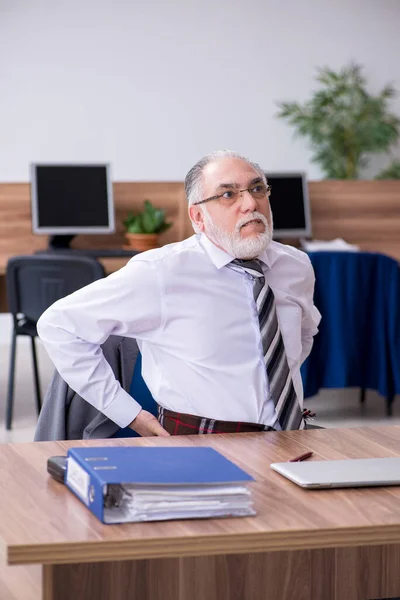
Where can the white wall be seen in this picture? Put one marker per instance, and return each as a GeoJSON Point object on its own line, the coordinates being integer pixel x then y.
{"type": "Point", "coordinates": [152, 85]}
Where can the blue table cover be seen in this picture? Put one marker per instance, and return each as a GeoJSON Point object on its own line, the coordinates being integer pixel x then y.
{"type": "Point", "coordinates": [358, 344]}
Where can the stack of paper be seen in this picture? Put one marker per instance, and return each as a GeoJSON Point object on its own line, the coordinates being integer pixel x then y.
{"type": "Point", "coordinates": [183, 502]}
{"type": "Point", "coordinates": [335, 245]}
{"type": "Point", "coordinates": [130, 484]}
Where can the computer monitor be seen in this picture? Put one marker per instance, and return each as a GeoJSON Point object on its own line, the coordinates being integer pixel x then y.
{"type": "Point", "coordinates": [290, 204]}
{"type": "Point", "coordinates": [69, 199]}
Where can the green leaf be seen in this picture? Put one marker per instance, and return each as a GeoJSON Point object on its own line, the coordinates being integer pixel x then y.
{"type": "Point", "coordinates": [148, 222]}
{"type": "Point", "coordinates": [134, 226]}
{"type": "Point", "coordinates": [129, 219]}
{"type": "Point", "coordinates": [164, 227]}
{"type": "Point", "coordinates": [148, 207]}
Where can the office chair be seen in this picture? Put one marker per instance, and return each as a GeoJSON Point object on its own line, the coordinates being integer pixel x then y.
{"type": "Point", "coordinates": [33, 284]}
{"type": "Point", "coordinates": [65, 415]}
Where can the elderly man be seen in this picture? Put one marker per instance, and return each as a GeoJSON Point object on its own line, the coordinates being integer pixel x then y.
{"type": "Point", "coordinates": [223, 319]}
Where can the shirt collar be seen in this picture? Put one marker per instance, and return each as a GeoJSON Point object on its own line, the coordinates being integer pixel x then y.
{"type": "Point", "coordinates": [220, 258]}
{"type": "Point", "coordinates": [267, 256]}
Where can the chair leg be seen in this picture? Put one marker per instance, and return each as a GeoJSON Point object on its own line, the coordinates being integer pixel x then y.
{"type": "Point", "coordinates": [36, 376]}
{"type": "Point", "coordinates": [11, 378]}
{"type": "Point", "coordinates": [362, 395]}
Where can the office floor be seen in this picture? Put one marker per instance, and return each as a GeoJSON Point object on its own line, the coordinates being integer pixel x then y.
{"type": "Point", "coordinates": [334, 408]}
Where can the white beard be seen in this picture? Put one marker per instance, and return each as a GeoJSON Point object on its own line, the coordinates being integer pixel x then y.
{"type": "Point", "coordinates": [233, 243]}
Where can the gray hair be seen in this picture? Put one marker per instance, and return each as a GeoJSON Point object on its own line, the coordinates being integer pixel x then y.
{"type": "Point", "coordinates": [193, 180]}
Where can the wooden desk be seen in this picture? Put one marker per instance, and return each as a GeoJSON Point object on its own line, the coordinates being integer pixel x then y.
{"type": "Point", "coordinates": [302, 545]}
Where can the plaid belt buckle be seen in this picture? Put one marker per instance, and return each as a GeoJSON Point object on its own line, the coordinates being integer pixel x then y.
{"type": "Point", "coordinates": [308, 415]}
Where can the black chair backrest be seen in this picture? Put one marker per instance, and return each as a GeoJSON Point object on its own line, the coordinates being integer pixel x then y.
{"type": "Point", "coordinates": [35, 282]}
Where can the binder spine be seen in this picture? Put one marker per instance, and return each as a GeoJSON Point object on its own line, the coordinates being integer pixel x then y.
{"type": "Point", "coordinates": [85, 485]}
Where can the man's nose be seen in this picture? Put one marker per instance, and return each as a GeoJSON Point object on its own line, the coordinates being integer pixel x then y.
{"type": "Point", "coordinates": [249, 204]}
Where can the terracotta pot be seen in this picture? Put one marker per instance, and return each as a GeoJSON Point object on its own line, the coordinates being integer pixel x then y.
{"type": "Point", "coordinates": [142, 241]}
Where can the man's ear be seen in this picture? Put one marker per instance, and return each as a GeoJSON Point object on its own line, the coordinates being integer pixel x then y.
{"type": "Point", "coordinates": [197, 217]}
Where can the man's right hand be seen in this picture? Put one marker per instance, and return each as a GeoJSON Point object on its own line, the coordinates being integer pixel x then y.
{"type": "Point", "coordinates": [147, 425]}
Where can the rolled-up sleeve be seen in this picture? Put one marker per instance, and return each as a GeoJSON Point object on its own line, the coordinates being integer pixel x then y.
{"type": "Point", "coordinates": [127, 303]}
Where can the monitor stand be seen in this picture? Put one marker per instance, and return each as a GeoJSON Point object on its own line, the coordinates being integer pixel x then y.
{"type": "Point", "coordinates": [60, 242]}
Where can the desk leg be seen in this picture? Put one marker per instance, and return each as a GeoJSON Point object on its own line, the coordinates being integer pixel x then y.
{"type": "Point", "coordinates": [334, 574]}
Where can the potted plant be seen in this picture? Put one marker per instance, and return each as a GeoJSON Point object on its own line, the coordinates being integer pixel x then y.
{"type": "Point", "coordinates": [143, 228]}
{"type": "Point", "coordinates": [345, 124]}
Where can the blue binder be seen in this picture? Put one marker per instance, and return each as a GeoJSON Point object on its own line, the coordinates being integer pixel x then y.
{"type": "Point", "coordinates": [91, 470]}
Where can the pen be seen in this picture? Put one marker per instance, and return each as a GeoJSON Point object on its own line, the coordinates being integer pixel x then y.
{"type": "Point", "coordinates": [301, 457]}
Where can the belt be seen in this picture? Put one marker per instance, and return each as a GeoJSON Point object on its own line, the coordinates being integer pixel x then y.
{"type": "Point", "coordinates": [177, 423]}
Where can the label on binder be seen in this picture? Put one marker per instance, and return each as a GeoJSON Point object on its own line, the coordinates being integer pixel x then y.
{"type": "Point", "coordinates": [78, 479]}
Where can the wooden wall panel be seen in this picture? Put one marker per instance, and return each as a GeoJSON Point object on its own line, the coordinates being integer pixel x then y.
{"type": "Point", "coordinates": [16, 235]}
{"type": "Point", "coordinates": [366, 213]}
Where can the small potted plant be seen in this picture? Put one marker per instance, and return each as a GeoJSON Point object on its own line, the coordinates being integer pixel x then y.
{"type": "Point", "coordinates": [143, 228]}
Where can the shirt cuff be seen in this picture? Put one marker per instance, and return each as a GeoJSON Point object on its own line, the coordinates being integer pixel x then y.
{"type": "Point", "coordinates": [123, 409]}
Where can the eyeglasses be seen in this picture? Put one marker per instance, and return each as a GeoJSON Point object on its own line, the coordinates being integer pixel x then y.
{"type": "Point", "coordinates": [229, 197]}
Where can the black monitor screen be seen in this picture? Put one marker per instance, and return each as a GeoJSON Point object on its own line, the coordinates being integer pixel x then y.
{"type": "Point", "coordinates": [71, 197]}
{"type": "Point", "coordinates": [289, 204]}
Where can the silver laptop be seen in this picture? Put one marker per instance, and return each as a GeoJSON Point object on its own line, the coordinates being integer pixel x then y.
{"type": "Point", "coordinates": [357, 472]}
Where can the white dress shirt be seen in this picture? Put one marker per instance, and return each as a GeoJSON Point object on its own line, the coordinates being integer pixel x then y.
{"type": "Point", "coordinates": [197, 327]}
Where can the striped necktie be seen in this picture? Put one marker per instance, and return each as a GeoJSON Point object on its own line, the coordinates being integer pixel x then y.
{"type": "Point", "coordinates": [280, 381]}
